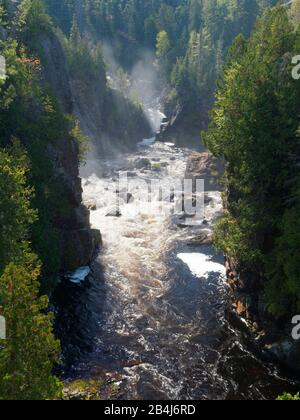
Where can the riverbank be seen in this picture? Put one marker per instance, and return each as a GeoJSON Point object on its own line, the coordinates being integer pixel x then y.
{"type": "Point", "coordinates": [274, 338]}
{"type": "Point", "coordinates": [246, 309]}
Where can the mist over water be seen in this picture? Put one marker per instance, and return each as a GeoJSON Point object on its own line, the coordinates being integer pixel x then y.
{"type": "Point", "coordinates": [143, 82]}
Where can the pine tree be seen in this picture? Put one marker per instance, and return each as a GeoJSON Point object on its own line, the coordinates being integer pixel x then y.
{"type": "Point", "coordinates": [254, 128]}
{"type": "Point", "coordinates": [163, 44]}
{"type": "Point", "coordinates": [16, 213]}
{"type": "Point", "coordinates": [30, 350]}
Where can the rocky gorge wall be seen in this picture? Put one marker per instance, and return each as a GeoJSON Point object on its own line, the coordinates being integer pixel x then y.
{"type": "Point", "coordinates": [78, 242]}
{"type": "Point", "coordinates": [246, 308]}
{"type": "Point", "coordinates": [111, 123]}
{"type": "Point", "coordinates": [273, 338]}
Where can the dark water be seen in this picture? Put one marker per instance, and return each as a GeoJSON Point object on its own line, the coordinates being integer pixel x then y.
{"type": "Point", "coordinates": [153, 308]}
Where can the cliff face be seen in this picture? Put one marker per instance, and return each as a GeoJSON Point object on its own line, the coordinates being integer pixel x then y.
{"type": "Point", "coordinates": [62, 237]}
{"type": "Point", "coordinates": [185, 125]}
{"type": "Point", "coordinates": [110, 121]}
{"type": "Point", "coordinates": [78, 242]}
{"type": "Point", "coordinates": [273, 338]}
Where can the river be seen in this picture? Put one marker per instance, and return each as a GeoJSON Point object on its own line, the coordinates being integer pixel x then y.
{"type": "Point", "coordinates": [152, 310]}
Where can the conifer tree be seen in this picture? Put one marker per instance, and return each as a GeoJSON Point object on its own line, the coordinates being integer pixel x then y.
{"type": "Point", "coordinates": [254, 128]}
{"type": "Point", "coordinates": [29, 352]}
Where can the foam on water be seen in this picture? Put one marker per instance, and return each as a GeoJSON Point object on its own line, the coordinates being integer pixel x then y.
{"type": "Point", "coordinates": [202, 265]}
{"type": "Point", "coordinates": [79, 275]}
{"type": "Point", "coordinates": [153, 310]}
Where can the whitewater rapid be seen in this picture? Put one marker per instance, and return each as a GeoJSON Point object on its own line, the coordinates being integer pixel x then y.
{"type": "Point", "coordinates": [151, 313]}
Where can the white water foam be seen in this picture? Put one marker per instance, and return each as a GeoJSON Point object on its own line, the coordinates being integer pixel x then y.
{"type": "Point", "coordinates": [78, 276]}
{"type": "Point", "coordinates": [202, 265]}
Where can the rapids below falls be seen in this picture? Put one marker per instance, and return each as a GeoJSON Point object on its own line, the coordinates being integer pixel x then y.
{"type": "Point", "coordinates": [152, 310]}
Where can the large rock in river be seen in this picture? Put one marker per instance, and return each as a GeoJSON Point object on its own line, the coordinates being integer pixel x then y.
{"type": "Point", "coordinates": [205, 166]}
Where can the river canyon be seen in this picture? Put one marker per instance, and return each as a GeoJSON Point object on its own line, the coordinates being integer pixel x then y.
{"type": "Point", "coordinates": [152, 311]}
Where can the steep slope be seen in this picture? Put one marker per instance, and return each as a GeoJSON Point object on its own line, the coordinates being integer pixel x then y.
{"type": "Point", "coordinates": [39, 115]}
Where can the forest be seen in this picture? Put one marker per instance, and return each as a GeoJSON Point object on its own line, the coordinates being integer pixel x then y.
{"type": "Point", "coordinates": [224, 69]}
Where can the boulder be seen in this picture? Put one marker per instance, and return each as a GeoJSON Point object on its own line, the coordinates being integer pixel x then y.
{"type": "Point", "coordinates": [130, 174]}
{"type": "Point", "coordinates": [81, 218]}
{"type": "Point", "coordinates": [114, 212]}
{"type": "Point", "coordinates": [142, 163]}
{"type": "Point", "coordinates": [97, 238]}
{"type": "Point", "coordinates": [201, 239]}
{"type": "Point", "coordinates": [205, 166]}
{"type": "Point", "coordinates": [91, 205]}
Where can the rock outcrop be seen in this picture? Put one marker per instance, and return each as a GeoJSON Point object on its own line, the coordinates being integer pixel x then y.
{"type": "Point", "coordinates": [78, 242]}
{"type": "Point", "coordinates": [246, 310]}
{"type": "Point", "coordinates": [205, 166]}
{"type": "Point", "coordinates": [184, 124]}
{"type": "Point", "coordinates": [273, 338]}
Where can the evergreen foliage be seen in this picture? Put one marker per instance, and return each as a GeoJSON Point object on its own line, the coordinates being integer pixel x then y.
{"type": "Point", "coordinates": [254, 127]}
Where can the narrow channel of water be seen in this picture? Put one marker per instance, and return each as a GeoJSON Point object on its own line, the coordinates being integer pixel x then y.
{"type": "Point", "coordinates": [153, 308]}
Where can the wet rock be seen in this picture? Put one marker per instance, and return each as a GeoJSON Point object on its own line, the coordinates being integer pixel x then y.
{"type": "Point", "coordinates": [202, 239]}
{"type": "Point", "coordinates": [97, 238]}
{"type": "Point", "coordinates": [131, 174]}
{"type": "Point", "coordinates": [181, 219]}
{"type": "Point", "coordinates": [91, 205]}
{"type": "Point", "coordinates": [236, 321]}
{"type": "Point", "coordinates": [78, 247]}
{"type": "Point", "coordinates": [183, 225]}
{"type": "Point", "coordinates": [241, 308]}
{"type": "Point", "coordinates": [142, 163]}
{"type": "Point", "coordinates": [207, 199]}
{"type": "Point", "coordinates": [114, 212]}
